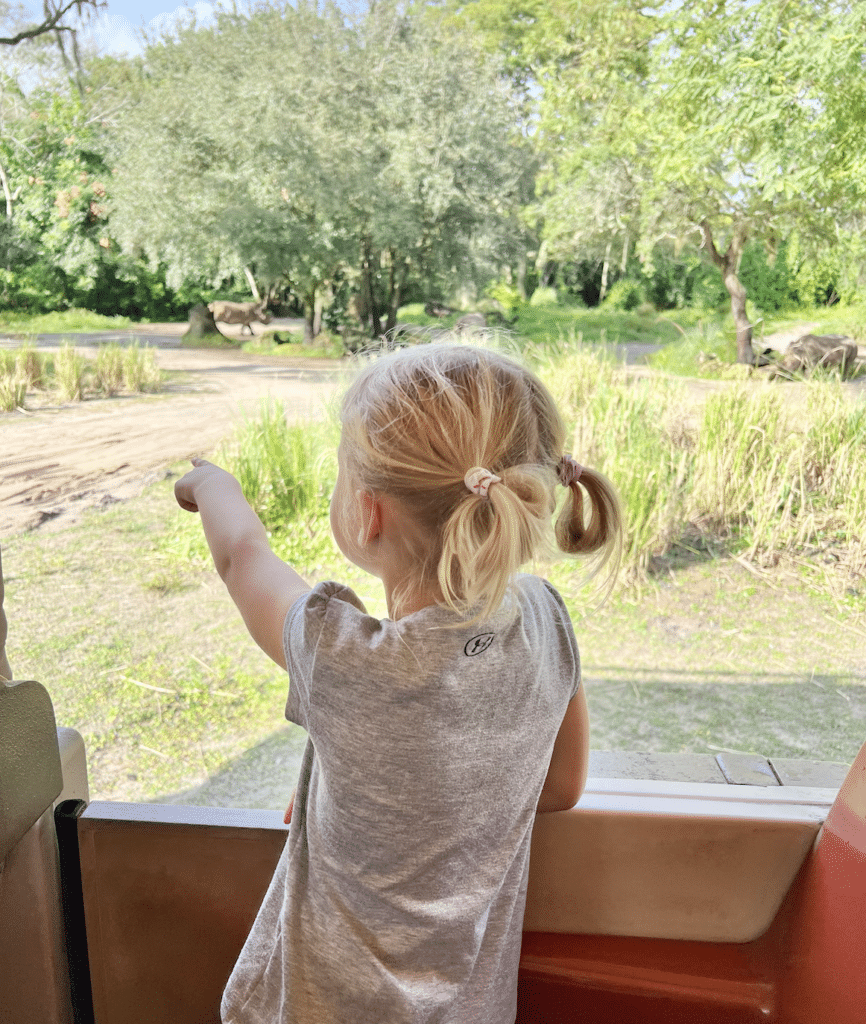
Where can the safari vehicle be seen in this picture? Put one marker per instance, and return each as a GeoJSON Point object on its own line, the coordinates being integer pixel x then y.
{"type": "Point", "coordinates": [650, 901]}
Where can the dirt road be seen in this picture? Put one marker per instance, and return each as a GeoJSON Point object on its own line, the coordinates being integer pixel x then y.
{"type": "Point", "coordinates": [57, 460]}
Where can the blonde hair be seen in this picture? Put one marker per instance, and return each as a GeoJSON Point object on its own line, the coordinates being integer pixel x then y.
{"type": "Point", "coordinates": [416, 420]}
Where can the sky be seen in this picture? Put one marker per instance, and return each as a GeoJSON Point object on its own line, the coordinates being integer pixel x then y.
{"type": "Point", "coordinates": [115, 30]}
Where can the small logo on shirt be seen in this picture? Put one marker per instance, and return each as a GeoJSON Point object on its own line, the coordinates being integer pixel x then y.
{"type": "Point", "coordinates": [478, 644]}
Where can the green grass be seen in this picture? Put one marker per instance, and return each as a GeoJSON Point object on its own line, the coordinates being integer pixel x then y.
{"type": "Point", "coordinates": [70, 321]}
{"type": "Point", "coordinates": [264, 344]}
{"type": "Point", "coordinates": [550, 324]}
{"type": "Point", "coordinates": [747, 474]}
{"type": "Point", "coordinates": [148, 658]}
{"type": "Point", "coordinates": [71, 377]}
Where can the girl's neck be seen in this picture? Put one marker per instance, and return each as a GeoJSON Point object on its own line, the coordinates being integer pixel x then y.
{"type": "Point", "coordinates": [411, 601]}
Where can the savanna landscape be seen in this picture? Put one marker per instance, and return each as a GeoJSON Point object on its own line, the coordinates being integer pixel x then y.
{"type": "Point", "coordinates": [649, 226]}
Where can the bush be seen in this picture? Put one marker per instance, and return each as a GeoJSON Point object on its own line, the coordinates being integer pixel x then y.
{"type": "Point", "coordinates": [69, 368]}
{"type": "Point", "coordinates": [768, 281]}
{"type": "Point", "coordinates": [625, 295]}
{"type": "Point", "coordinates": [108, 371]}
{"type": "Point", "coordinates": [544, 297]}
{"type": "Point", "coordinates": [140, 372]}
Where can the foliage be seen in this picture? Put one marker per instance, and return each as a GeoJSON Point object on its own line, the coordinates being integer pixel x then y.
{"type": "Point", "coordinates": [695, 122]}
{"type": "Point", "coordinates": [73, 377]}
{"type": "Point", "coordinates": [768, 280]}
{"type": "Point", "coordinates": [69, 321]}
{"type": "Point", "coordinates": [382, 151]}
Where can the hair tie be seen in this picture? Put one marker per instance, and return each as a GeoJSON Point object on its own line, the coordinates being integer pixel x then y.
{"type": "Point", "coordinates": [568, 470]}
{"type": "Point", "coordinates": [479, 480]}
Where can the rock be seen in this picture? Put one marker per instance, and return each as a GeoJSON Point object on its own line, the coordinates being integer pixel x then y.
{"type": "Point", "coordinates": [812, 350]}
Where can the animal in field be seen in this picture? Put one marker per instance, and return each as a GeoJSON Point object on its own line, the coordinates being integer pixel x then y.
{"type": "Point", "coordinates": [243, 313]}
{"type": "Point", "coordinates": [812, 350]}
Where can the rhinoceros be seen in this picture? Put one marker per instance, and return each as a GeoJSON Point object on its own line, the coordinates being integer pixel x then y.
{"type": "Point", "coordinates": [820, 350]}
{"type": "Point", "coordinates": [243, 313]}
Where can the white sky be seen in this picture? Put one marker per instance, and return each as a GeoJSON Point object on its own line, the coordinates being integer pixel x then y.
{"type": "Point", "coordinates": [116, 29]}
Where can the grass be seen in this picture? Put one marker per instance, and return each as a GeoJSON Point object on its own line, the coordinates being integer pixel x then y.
{"type": "Point", "coordinates": [69, 321]}
{"type": "Point", "coordinates": [147, 657]}
{"type": "Point", "coordinates": [265, 344]}
{"type": "Point", "coordinates": [745, 475]}
{"type": "Point", "coordinates": [743, 627]}
{"type": "Point", "coordinates": [708, 347]}
{"type": "Point", "coordinates": [72, 378]}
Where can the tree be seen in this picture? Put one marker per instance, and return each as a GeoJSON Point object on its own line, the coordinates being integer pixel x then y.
{"type": "Point", "coordinates": [381, 150]}
{"type": "Point", "coordinates": [55, 14]}
{"type": "Point", "coordinates": [699, 121]}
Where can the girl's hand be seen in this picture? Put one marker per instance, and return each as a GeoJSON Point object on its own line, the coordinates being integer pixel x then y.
{"type": "Point", "coordinates": [287, 817]}
{"type": "Point", "coordinates": [184, 489]}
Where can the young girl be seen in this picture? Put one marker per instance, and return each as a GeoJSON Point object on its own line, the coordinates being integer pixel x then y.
{"type": "Point", "coordinates": [437, 734]}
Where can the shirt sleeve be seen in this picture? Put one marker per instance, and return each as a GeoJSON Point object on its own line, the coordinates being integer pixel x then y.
{"type": "Point", "coordinates": [566, 631]}
{"type": "Point", "coordinates": [302, 631]}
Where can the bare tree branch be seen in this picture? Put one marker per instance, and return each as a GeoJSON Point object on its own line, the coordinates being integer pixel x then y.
{"type": "Point", "coordinates": [53, 20]}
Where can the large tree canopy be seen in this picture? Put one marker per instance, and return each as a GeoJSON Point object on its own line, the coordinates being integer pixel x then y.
{"type": "Point", "coordinates": [716, 122]}
{"type": "Point", "coordinates": [381, 148]}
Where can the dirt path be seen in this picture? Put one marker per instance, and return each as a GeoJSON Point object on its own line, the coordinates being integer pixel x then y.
{"type": "Point", "coordinates": [57, 460]}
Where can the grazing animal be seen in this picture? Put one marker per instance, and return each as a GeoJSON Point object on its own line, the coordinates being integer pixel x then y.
{"type": "Point", "coordinates": [819, 350]}
{"type": "Point", "coordinates": [243, 313]}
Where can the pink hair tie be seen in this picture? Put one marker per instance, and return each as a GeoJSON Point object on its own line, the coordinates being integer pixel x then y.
{"type": "Point", "coordinates": [479, 480]}
{"type": "Point", "coordinates": [568, 471]}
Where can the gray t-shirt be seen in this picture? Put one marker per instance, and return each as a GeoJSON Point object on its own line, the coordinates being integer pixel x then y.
{"type": "Point", "coordinates": [399, 896]}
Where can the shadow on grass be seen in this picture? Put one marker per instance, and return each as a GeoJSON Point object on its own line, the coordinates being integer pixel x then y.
{"type": "Point", "coordinates": [261, 777]}
{"type": "Point", "coordinates": [822, 717]}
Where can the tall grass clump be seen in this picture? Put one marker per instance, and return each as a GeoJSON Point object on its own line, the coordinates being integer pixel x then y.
{"type": "Point", "coordinates": [780, 479]}
{"type": "Point", "coordinates": [30, 366]}
{"type": "Point", "coordinates": [108, 369]}
{"type": "Point", "coordinates": [13, 386]}
{"type": "Point", "coordinates": [140, 372]}
{"type": "Point", "coordinates": [634, 431]}
{"type": "Point", "coordinates": [69, 367]}
{"type": "Point", "coordinates": [287, 472]}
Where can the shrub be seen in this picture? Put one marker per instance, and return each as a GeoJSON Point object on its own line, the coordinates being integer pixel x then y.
{"type": "Point", "coordinates": [140, 372]}
{"type": "Point", "coordinates": [69, 368]}
{"type": "Point", "coordinates": [30, 366]}
{"type": "Point", "coordinates": [624, 295]}
{"type": "Point", "coordinates": [108, 371]}
{"type": "Point", "coordinates": [544, 297]}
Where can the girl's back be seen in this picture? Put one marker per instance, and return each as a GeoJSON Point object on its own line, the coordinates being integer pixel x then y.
{"type": "Point", "coordinates": [405, 867]}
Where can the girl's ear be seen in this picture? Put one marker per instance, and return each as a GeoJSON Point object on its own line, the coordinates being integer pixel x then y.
{"type": "Point", "coordinates": [370, 515]}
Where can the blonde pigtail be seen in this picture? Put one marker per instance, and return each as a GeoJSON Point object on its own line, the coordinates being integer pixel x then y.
{"type": "Point", "coordinates": [487, 539]}
{"type": "Point", "coordinates": [601, 532]}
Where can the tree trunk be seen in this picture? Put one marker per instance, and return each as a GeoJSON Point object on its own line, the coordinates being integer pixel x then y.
{"type": "Point", "coordinates": [368, 290]}
{"type": "Point", "coordinates": [605, 269]}
{"type": "Point", "coordinates": [251, 281]}
{"type": "Point", "coordinates": [310, 318]}
{"type": "Point", "coordinates": [728, 265]}
{"type": "Point", "coordinates": [396, 283]}
{"type": "Point", "coordinates": [202, 326]}
{"type": "Point", "coordinates": [318, 309]}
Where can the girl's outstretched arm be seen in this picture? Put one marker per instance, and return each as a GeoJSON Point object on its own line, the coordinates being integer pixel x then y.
{"type": "Point", "coordinates": [566, 775]}
{"type": "Point", "coordinates": [262, 585]}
